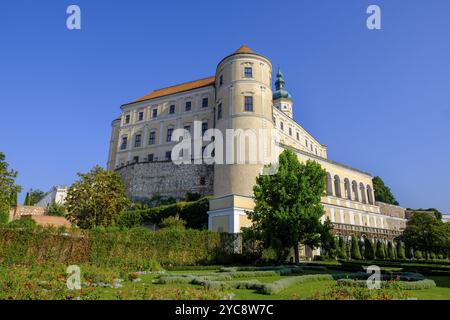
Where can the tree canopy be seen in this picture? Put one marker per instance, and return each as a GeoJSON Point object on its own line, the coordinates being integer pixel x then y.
{"type": "Point", "coordinates": [97, 199]}
{"type": "Point", "coordinates": [426, 233]}
{"type": "Point", "coordinates": [287, 206]}
{"type": "Point", "coordinates": [8, 188]}
{"type": "Point", "coordinates": [383, 192]}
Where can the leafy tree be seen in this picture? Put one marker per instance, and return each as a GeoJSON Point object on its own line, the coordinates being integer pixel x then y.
{"type": "Point", "coordinates": [342, 254]}
{"type": "Point", "coordinates": [328, 240]}
{"type": "Point", "coordinates": [369, 253]}
{"type": "Point", "coordinates": [382, 192]}
{"type": "Point", "coordinates": [34, 196]}
{"type": "Point", "coordinates": [380, 252]}
{"type": "Point", "coordinates": [355, 253]}
{"type": "Point", "coordinates": [56, 210]}
{"type": "Point", "coordinates": [287, 205]}
{"type": "Point", "coordinates": [390, 251]}
{"type": "Point", "coordinates": [426, 233]}
{"type": "Point", "coordinates": [7, 185]}
{"type": "Point", "coordinates": [97, 199]}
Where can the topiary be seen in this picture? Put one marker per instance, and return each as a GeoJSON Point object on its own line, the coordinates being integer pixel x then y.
{"type": "Point", "coordinates": [369, 253]}
{"type": "Point", "coordinates": [355, 253]}
{"type": "Point", "coordinates": [380, 253]}
{"type": "Point", "coordinates": [401, 251]}
{"type": "Point", "coordinates": [418, 254]}
{"type": "Point", "coordinates": [390, 251]}
{"type": "Point", "coordinates": [342, 253]}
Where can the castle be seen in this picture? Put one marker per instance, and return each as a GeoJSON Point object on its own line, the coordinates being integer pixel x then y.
{"type": "Point", "coordinates": [239, 96]}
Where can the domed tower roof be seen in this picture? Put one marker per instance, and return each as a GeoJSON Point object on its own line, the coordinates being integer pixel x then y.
{"type": "Point", "coordinates": [244, 49]}
{"type": "Point", "coordinates": [280, 92]}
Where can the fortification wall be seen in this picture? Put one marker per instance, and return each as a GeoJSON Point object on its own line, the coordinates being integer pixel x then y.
{"type": "Point", "coordinates": [143, 180]}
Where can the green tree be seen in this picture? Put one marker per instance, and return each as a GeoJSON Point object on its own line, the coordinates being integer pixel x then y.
{"type": "Point", "coordinates": [369, 253]}
{"type": "Point", "coordinates": [328, 240]}
{"type": "Point", "coordinates": [288, 206]}
{"type": "Point", "coordinates": [97, 199]}
{"type": "Point", "coordinates": [426, 233]}
{"type": "Point", "coordinates": [390, 251]}
{"type": "Point", "coordinates": [418, 254]}
{"type": "Point", "coordinates": [56, 210]}
{"type": "Point", "coordinates": [27, 199]}
{"type": "Point", "coordinates": [382, 192]}
{"type": "Point", "coordinates": [34, 196]}
{"type": "Point", "coordinates": [7, 185]}
{"type": "Point", "coordinates": [380, 251]}
{"type": "Point", "coordinates": [342, 254]}
{"type": "Point", "coordinates": [14, 199]}
{"type": "Point", "coordinates": [355, 253]}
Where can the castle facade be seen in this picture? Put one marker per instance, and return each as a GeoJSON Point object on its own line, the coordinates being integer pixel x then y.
{"type": "Point", "coordinates": [239, 96]}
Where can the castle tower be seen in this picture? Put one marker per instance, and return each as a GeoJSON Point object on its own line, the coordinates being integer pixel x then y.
{"type": "Point", "coordinates": [244, 104]}
{"type": "Point", "coordinates": [282, 99]}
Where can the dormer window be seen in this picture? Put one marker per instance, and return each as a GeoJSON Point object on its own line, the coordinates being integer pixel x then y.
{"type": "Point", "coordinates": [248, 72]}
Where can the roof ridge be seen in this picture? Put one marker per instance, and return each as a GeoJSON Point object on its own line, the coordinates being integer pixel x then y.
{"type": "Point", "coordinates": [180, 84]}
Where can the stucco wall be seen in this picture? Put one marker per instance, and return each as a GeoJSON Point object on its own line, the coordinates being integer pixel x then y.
{"type": "Point", "coordinates": [143, 180]}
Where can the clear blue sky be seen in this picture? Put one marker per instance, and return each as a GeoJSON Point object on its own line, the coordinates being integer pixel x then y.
{"type": "Point", "coordinates": [380, 100]}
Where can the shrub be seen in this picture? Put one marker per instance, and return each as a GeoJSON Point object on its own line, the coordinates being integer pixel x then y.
{"type": "Point", "coordinates": [400, 251]}
{"type": "Point", "coordinates": [130, 219]}
{"type": "Point", "coordinates": [355, 253]}
{"type": "Point", "coordinates": [24, 223]}
{"type": "Point", "coordinates": [173, 222]}
{"type": "Point", "coordinates": [390, 251]}
{"type": "Point", "coordinates": [342, 253]}
{"type": "Point", "coordinates": [4, 218]}
{"type": "Point", "coordinates": [369, 253]}
{"type": "Point", "coordinates": [380, 252]}
{"type": "Point", "coordinates": [56, 210]}
{"type": "Point", "coordinates": [417, 254]}
{"type": "Point", "coordinates": [405, 285]}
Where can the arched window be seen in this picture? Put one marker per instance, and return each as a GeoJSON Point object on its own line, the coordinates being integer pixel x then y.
{"type": "Point", "coordinates": [348, 192]}
{"type": "Point", "coordinates": [329, 185]}
{"type": "Point", "coordinates": [369, 194]}
{"type": "Point", "coordinates": [355, 190]}
{"type": "Point", "coordinates": [337, 186]}
{"type": "Point", "coordinates": [363, 193]}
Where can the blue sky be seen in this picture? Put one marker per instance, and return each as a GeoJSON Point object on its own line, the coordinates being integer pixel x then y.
{"type": "Point", "coordinates": [380, 100]}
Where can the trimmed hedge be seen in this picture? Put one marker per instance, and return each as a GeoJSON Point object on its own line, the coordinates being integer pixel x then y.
{"type": "Point", "coordinates": [280, 285]}
{"type": "Point", "coordinates": [415, 285]}
{"type": "Point", "coordinates": [135, 248]}
{"type": "Point", "coordinates": [195, 213]}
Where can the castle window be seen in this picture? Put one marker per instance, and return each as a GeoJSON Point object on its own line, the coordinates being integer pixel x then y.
{"type": "Point", "coordinates": [172, 109]}
{"type": "Point", "coordinates": [205, 103]}
{"type": "Point", "coordinates": [187, 132]}
{"type": "Point", "coordinates": [141, 116]}
{"type": "Point", "coordinates": [154, 113]}
{"type": "Point", "coordinates": [290, 131]}
{"type": "Point", "coordinates": [188, 106]}
{"type": "Point", "coordinates": [219, 111]}
{"type": "Point", "coordinates": [137, 141]}
{"type": "Point", "coordinates": [298, 136]}
{"type": "Point", "coordinates": [150, 157]}
{"type": "Point", "coordinates": [248, 103]}
{"type": "Point", "coordinates": [124, 143]}
{"type": "Point", "coordinates": [202, 181]}
{"type": "Point", "coordinates": [306, 142]}
{"type": "Point", "coordinates": [204, 127]}
{"type": "Point", "coordinates": [127, 119]}
{"type": "Point", "coordinates": [169, 134]}
{"type": "Point", "coordinates": [221, 80]}
{"type": "Point", "coordinates": [282, 125]}
{"type": "Point", "coordinates": [248, 72]}
{"type": "Point", "coordinates": [136, 159]}
{"type": "Point", "coordinates": [151, 138]}
{"type": "Point", "coordinates": [168, 155]}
